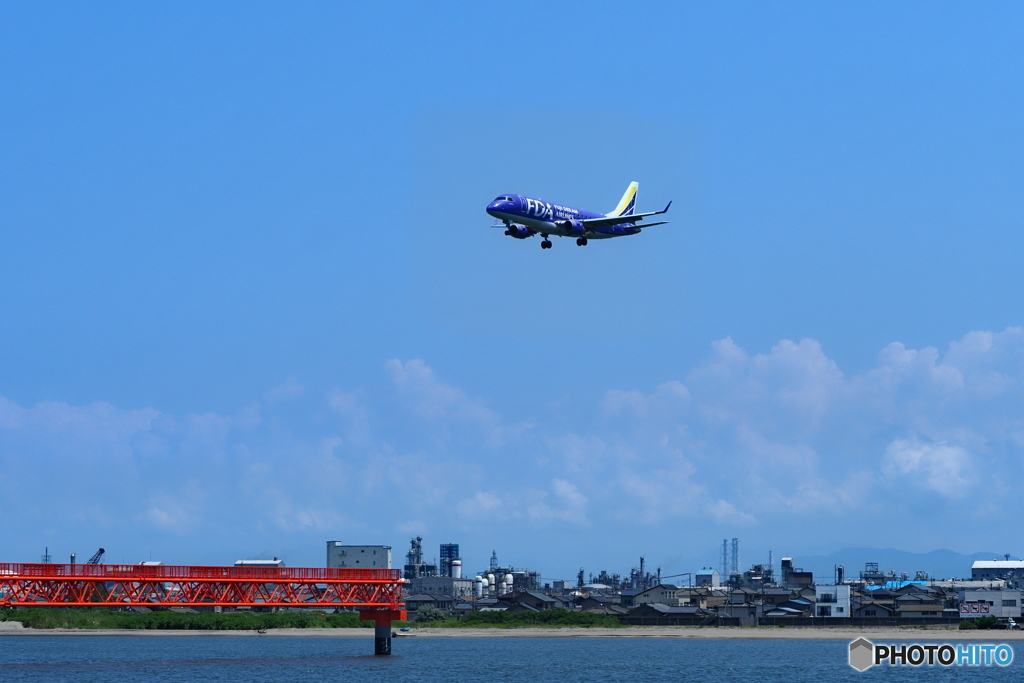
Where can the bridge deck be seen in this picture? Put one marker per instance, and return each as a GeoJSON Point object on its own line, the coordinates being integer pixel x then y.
{"type": "Point", "coordinates": [121, 585]}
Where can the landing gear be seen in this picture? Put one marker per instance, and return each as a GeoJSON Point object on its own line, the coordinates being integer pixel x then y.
{"type": "Point", "coordinates": [546, 244]}
{"type": "Point", "coordinates": [581, 241]}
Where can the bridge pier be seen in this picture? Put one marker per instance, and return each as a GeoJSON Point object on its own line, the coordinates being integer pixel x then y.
{"type": "Point", "coordinates": [382, 619]}
{"type": "Point", "coordinates": [382, 640]}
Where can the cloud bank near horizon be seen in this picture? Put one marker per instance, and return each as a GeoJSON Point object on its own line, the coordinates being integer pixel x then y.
{"type": "Point", "coordinates": [779, 444]}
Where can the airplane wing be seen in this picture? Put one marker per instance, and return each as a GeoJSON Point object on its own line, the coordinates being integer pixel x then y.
{"type": "Point", "coordinates": [618, 220]}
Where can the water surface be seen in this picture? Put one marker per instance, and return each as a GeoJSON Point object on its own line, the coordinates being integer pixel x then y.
{"type": "Point", "coordinates": [452, 660]}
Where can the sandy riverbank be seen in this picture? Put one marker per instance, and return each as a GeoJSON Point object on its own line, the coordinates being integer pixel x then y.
{"type": "Point", "coordinates": [725, 633]}
{"type": "Point", "coordinates": [916, 634]}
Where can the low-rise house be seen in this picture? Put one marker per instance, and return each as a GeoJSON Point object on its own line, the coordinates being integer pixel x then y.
{"type": "Point", "coordinates": [597, 602]}
{"type": "Point", "coordinates": [566, 602]}
{"type": "Point", "coordinates": [773, 596]}
{"type": "Point", "coordinates": [442, 602]}
{"type": "Point", "coordinates": [485, 603]}
{"type": "Point", "coordinates": [695, 596]}
{"type": "Point", "coordinates": [880, 593]}
{"type": "Point", "coordinates": [923, 610]}
{"type": "Point", "coordinates": [521, 607]}
{"type": "Point", "coordinates": [657, 610]}
{"type": "Point", "coordinates": [461, 609]}
{"type": "Point", "coordinates": [832, 601]}
{"type": "Point", "coordinates": [874, 608]}
{"type": "Point", "coordinates": [920, 601]}
{"type": "Point", "coordinates": [736, 602]}
{"type": "Point", "coordinates": [807, 593]}
{"type": "Point", "coordinates": [665, 593]}
{"type": "Point", "coordinates": [612, 610]}
{"type": "Point", "coordinates": [714, 600]}
{"type": "Point", "coordinates": [741, 596]}
{"type": "Point", "coordinates": [533, 600]}
{"type": "Point", "coordinates": [797, 607]}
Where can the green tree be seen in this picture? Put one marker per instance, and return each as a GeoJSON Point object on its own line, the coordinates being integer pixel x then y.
{"type": "Point", "coordinates": [430, 613]}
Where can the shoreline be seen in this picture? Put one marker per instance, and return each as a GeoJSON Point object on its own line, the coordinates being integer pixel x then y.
{"type": "Point", "coordinates": [670, 632]}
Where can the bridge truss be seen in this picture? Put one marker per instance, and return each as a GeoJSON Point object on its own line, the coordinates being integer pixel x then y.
{"type": "Point", "coordinates": [376, 593]}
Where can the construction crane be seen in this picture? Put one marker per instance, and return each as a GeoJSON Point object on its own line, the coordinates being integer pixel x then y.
{"type": "Point", "coordinates": [95, 559]}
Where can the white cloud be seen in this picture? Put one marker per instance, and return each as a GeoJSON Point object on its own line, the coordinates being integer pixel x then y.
{"type": "Point", "coordinates": [170, 517]}
{"type": "Point", "coordinates": [433, 399]}
{"type": "Point", "coordinates": [568, 505]}
{"type": "Point", "coordinates": [576, 453]}
{"type": "Point", "coordinates": [941, 467]}
{"type": "Point", "coordinates": [670, 398]}
{"type": "Point", "coordinates": [479, 508]}
{"type": "Point", "coordinates": [353, 412]}
{"type": "Point", "coordinates": [289, 390]}
{"type": "Point", "coordinates": [413, 527]}
{"type": "Point", "coordinates": [778, 440]}
{"type": "Point", "coordinates": [726, 513]}
{"type": "Point", "coordinates": [453, 415]}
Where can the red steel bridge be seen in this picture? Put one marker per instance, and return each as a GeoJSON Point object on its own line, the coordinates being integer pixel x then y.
{"type": "Point", "coordinates": [376, 593]}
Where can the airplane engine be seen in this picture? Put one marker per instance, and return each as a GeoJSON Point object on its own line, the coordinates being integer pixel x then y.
{"type": "Point", "coordinates": [573, 227]}
{"type": "Point", "coordinates": [520, 232]}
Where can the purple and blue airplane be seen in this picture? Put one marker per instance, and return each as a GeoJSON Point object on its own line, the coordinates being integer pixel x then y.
{"type": "Point", "coordinates": [524, 217]}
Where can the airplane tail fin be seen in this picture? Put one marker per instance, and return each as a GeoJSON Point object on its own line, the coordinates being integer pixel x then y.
{"type": "Point", "coordinates": [627, 205]}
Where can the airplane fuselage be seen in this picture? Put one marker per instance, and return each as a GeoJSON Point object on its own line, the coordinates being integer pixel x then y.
{"type": "Point", "coordinates": [545, 218]}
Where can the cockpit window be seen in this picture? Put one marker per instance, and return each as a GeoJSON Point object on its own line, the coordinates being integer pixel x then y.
{"type": "Point", "coordinates": [503, 199]}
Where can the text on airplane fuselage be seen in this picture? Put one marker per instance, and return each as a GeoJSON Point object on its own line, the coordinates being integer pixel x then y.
{"type": "Point", "coordinates": [547, 211]}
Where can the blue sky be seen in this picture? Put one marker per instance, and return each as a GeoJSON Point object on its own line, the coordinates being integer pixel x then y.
{"type": "Point", "coordinates": [251, 303]}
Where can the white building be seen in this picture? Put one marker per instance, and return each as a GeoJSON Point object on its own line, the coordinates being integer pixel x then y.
{"type": "Point", "coordinates": [1003, 603]}
{"type": "Point", "coordinates": [260, 563]}
{"type": "Point", "coordinates": [442, 585]}
{"type": "Point", "coordinates": [832, 601]}
{"type": "Point", "coordinates": [990, 570]}
{"type": "Point", "coordinates": [358, 556]}
{"type": "Point", "coordinates": [707, 576]}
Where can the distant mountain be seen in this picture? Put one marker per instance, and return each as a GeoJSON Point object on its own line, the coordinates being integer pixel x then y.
{"type": "Point", "coordinates": [940, 564]}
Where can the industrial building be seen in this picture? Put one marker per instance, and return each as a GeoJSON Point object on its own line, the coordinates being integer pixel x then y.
{"type": "Point", "coordinates": [260, 563]}
{"type": "Point", "coordinates": [795, 577]}
{"type": "Point", "coordinates": [340, 555]}
{"type": "Point", "coordinates": [991, 570]}
{"type": "Point", "coordinates": [449, 553]}
{"type": "Point", "coordinates": [708, 576]}
{"type": "Point", "coordinates": [1004, 603]}
{"type": "Point", "coordinates": [415, 567]}
{"type": "Point", "coordinates": [442, 585]}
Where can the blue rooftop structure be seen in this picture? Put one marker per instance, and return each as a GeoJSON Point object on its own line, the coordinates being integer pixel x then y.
{"type": "Point", "coordinates": [893, 585]}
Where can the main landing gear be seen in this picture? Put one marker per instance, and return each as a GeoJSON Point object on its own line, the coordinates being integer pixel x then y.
{"type": "Point", "coordinates": [546, 244]}
{"type": "Point", "coordinates": [581, 241]}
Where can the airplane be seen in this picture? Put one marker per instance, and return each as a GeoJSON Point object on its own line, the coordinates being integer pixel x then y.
{"type": "Point", "coordinates": [524, 217]}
